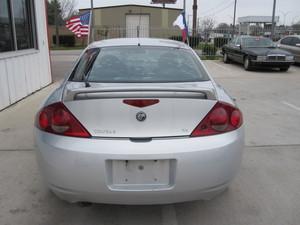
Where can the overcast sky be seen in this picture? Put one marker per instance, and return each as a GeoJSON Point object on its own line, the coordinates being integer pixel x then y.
{"type": "Point", "coordinates": [221, 10]}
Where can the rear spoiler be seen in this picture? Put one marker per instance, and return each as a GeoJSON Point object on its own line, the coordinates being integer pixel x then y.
{"type": "Point", "coordinates": [137, 92]}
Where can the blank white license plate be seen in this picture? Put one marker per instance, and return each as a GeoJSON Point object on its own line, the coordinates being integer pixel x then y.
{"type": "Point", "coordinates": [141, 174]}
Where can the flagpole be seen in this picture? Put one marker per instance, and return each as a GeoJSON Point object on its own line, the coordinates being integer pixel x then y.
{"type": "Point", "coordinates": [91, 29]}
{"type": "Point", "coordinates": [184, 10]}
{"type": "Point", "coordinates": [187, 38]}
{"type": "Point", "coordinates": [89, 35]}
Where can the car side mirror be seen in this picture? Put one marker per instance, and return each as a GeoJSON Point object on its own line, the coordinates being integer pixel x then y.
{"type": "Point", "coordinates": [298, 45]}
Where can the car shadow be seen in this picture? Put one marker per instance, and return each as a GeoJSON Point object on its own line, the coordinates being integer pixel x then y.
{"type": "Point", "coordinates": [258, 69]}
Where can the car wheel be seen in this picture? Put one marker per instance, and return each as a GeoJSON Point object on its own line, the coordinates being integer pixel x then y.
{"type": "Point", "coordinates": [247, 64]}
{"type": "Point", "coordinates": [225, 58]}
{"type": "Point", "coordinates": [284, 69]}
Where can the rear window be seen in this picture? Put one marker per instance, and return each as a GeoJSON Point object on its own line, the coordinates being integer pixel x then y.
{"type": "Point", "coordinates": [137, 64]}
{"type": "Point", "coordinates": [257, 42]}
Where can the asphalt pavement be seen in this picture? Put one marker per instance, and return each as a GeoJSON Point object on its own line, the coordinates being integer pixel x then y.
{"type": "Point", "coordinates": [266, 191]}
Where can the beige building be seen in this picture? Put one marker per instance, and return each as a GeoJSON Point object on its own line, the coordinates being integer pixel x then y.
{"type": "Point", "coordinates": [134, 21]}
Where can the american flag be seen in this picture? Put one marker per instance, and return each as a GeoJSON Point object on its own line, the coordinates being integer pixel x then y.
{"type": "Point", "coordinates": [79, 25]}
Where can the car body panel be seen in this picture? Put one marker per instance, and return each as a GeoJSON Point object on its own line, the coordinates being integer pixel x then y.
{"type": "Point", "coordinates": [76, 169]}
{"type": "Point", "coordinates": [176, 114]}
{"type": "Point", "coordinates": [170, 117]}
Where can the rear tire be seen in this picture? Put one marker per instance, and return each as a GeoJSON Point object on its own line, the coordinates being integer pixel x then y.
{"type": "Point", "coordinates": [247, 64]}
{"type": "Point", "coordinates": [284, 69]}
{"type": "Point", "coordinates": [225, 58]}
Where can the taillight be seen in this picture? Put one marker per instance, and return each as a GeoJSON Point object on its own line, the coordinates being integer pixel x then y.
{"type": "Point", "coordinates": [57, 119]}
{"type": "Point", "coordinates": [222, 118]}
{"type": "Point", "coordinates": [141, 103]}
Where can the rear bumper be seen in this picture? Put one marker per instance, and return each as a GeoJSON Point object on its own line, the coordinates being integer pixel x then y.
{"type": "Point", "coordinates": [77, 169]}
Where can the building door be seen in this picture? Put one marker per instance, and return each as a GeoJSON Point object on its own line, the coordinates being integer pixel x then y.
{"type": "Point", "coordinates": [137, 26]}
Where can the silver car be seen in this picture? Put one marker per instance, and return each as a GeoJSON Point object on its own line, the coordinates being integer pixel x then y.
{"type": "Point", "coordinates": [139, 121]}
{"type": "Point", "coordinates": [291, 44]}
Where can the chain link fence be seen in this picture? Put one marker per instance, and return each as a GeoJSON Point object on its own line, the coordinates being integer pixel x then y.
{"type": "Point", "coordinates": [207, 42]}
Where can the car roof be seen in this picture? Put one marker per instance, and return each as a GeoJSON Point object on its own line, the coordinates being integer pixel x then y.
{"type": "Point", "coordinates": [138, 42]}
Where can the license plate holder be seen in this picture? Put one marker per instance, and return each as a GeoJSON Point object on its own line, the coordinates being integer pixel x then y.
{"type": "Point", "coordinates": [141, 174]}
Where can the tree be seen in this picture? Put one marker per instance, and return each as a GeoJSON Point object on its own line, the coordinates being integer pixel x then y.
{"type": "Point", "coordinates": [65, 10]}
{"type": "Point", "coordinates": [207, 25]}
{"type": "Point", "coordinates": [68, 8]}
{"type": "Point", "coordinates": [53, 7]}
{"type": "Point", "coordinates": [223, 26]}
{"type": "Point", "coordinates": [58, 12]}
{"type": "Point", "coordinates": [54, 17]}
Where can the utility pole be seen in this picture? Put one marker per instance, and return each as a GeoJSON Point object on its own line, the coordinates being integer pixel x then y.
{"type": "Point", "coordinates": [195, 8]}
{"type": "Point", "coordinates": [234, 17]}
{"type": "Point", "coordinates": [184, 6]}
{"type": "Point", "coordinates": [91, 36]}
{"type": "Point", "coordinates": [273, 20]}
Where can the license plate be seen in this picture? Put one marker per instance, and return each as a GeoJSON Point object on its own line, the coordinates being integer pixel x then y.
{"type": "Point", "coordinates": [141, 174]}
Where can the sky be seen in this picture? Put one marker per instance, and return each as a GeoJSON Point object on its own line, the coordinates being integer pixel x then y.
{"type": "Point", "coordinates": [221, 10]}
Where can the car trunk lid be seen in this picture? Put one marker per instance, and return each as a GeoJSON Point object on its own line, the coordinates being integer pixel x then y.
{"type": "Point", "coordinates": [140, 110]}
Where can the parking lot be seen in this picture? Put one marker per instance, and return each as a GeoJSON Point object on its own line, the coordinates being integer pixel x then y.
{"type": "Point", "coordinates": [266, 191]}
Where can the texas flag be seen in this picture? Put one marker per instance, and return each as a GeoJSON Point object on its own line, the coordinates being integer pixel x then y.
{"type": "Point", "coordinates": [181, 23]}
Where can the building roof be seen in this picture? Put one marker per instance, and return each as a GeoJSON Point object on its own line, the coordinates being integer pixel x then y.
{"type": "Point", "coordinates": [257, 19]}
{"type": "Point", "coordinates": [138, 41]}
{"type": "Point", "coordinates": [136, 5]}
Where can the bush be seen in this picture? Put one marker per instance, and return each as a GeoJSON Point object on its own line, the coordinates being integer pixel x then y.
{"type": "Point", "coordinates": [209, 49]}
{"type": "Point", "coordinates": [221, 41]}
{"type": "Point", "coordinates": [201, 45]}
{"type": "Point", "coordinates": [194, 41]}
{"type": "Point", "coordinates": [65, 40]}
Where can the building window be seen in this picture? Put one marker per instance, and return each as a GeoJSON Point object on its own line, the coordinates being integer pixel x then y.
{"type": "Point", "coordinates": [17, 25]}
{"type": "Point", "coordinates": [6, 40]}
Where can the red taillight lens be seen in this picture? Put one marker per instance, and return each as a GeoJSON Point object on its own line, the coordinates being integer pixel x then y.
{"type": "Point", "coordinates": [236, 118]}
{"type": "Point", "coordinates": [57, 119]}
{"type": "Point", "coordinates": [221, 119]}
{"type": "Point", "coordinates": [43, 120]}
{"type": "Point", "coordinates": [141, 103]}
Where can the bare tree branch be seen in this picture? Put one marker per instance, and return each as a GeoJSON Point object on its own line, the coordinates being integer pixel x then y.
{"type": "Point", "coordinates": [208, 23]}
{"type": "Point", "coordinates": [68, 8]}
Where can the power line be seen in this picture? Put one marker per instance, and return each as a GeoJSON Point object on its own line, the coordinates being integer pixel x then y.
{"type": "Point", "coordinates": [223, 9]}
{"type": "Point", "coordinates": [214, 8]}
